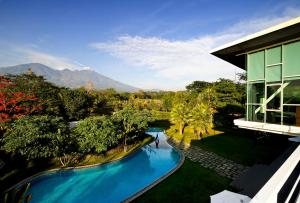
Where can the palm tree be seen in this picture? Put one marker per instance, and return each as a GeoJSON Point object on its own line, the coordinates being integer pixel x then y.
{"type": "Point", "coordinates": [180, 116]}
{"type": "Point", "coordinates": [201, 118]}
{"type": "Point", "coordinates": [208, 96]}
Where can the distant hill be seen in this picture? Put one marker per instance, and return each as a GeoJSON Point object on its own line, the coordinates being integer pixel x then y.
{"type": "Point", "coordinates": [69, 78]}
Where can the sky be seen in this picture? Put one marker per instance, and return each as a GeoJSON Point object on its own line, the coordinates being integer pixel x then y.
{"type": "Point", "coordinates": [150, 44]}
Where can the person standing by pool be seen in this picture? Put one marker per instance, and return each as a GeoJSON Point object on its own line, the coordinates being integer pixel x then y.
{"type": "Point", "coordinates": [156, 140]}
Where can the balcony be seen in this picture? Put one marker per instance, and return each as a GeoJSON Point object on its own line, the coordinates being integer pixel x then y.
{"type": "Point", "coordinates": [268, 127]}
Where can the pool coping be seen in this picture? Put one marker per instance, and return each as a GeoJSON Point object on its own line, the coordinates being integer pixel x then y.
{"type": "Point", "coordinates": [31, 178]}
{"type": "Point", "coordinates": [155, 183]}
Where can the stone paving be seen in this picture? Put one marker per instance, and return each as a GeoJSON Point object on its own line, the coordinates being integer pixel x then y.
{"type": "Point", "coordinates": [222, 166]}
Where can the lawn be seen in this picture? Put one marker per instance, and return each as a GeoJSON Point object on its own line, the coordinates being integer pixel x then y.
{"type": "Point", "coordinates": [241, 146]}
{"type": "Point", "coordinates": [191, 183]}
{"type": "Point", "coordinates": [188, 135]}
{"type": "Point", "coordinates": [244, 148]}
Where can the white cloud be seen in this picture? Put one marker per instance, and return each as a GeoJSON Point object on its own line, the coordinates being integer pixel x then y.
{"type": "Point", "coordinates": [186, 60]}
{"type": "Point", "coordinates": [170, 59]}
{"type": "Point", "coordinates": [60, 63]}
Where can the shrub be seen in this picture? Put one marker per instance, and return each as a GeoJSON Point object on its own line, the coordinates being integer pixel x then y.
{"type": "Point", "coordinates": [38, 137]}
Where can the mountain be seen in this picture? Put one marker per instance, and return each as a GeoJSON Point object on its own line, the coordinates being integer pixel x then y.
{"type": "Point", "coordinates": [69, 78]}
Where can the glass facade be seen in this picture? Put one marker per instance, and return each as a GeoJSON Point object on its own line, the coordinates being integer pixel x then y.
{"type": "Point", "coordinates": [273, 85]}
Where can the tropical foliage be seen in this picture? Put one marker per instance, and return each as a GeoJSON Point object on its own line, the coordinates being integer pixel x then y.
{"type": "Point", "coordinates": [132, 123]}
{"type": "Point", "coordinates": [201, 119]}
{"type": "Point", "coordinates": [76, 102]}
{"type": "Point", "coordinates": [180, 116]}
{"type": "Point", "coordinates": [15, 104]}
{"type": "Point", "coordinates": [36, 137]}
{"type": "Point", "coordinates": [96, 134]}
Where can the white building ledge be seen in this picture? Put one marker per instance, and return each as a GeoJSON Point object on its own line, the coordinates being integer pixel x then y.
{"type": "Point", "coordinates": [269, 192]}
{"type": "Point", "coordinates": [267, 127]}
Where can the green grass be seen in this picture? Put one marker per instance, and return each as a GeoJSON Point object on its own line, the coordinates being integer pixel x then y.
{"type": "Point", "coordinates": [188, 135]}
{"type": "Point", "coordinates": [191, 183]}
{"type": "Point", "coordinates": [239, 145]}
{"type": "Point", "coordinates": [244, 148]}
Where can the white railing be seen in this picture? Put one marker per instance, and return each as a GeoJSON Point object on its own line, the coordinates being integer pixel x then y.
{"type": "Point", "coordinates": [269, 192]}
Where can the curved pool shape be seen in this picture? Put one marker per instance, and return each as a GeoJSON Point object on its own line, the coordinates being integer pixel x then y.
{"type": "Point", "coordinates": [111, 182]}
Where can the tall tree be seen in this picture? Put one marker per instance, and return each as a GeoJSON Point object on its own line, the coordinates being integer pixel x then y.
{"type": "Point", "coordinates": [96, 134]}
{"type": "Point", "coordinates": [201, 119]}
{"type": "Point", "coordinates": [15, 104]}
{"type": "Point", "coordinates": [76, 103]}
{"type": "Point", "coordinates": [132, 123]}
{"type": "Point", "coordinates": [209, 97]}
{"type": "Point", "coordinates": [180, 116]}
{"type": "Point", "coordinates": [197, 86]}
{"type": "Point", "coordinates": [31, 84]}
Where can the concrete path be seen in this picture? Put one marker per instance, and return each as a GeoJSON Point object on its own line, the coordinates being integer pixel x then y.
{"type": "Point", "coordinates": [222, 166]}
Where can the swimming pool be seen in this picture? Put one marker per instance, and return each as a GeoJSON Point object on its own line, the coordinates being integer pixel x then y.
{"type": "Point", "coordinates": [111, 182]}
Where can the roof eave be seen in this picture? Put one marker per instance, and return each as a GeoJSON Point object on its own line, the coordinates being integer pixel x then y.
{"type": "Point", "coordinates": [234, 52]}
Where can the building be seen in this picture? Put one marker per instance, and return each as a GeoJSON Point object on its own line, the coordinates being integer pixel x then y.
{"type": "Point", "coordinates": [272, 61]}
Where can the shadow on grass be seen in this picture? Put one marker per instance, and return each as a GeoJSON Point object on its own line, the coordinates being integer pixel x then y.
{"type": "Point", "coordinates": [165, 124]}
{"type": "Point", "coordinates": [244, 146]}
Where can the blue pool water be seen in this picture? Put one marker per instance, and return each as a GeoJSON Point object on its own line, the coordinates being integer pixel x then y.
{"type": "Point", "coordinates": [112, 182]}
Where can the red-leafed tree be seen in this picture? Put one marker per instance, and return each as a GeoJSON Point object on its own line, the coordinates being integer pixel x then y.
{"type": "Point", "coordinates": [15, 104]}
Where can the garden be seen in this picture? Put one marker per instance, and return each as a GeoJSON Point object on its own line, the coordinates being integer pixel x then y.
{"type": "Point", "coordinates": [35, 131]}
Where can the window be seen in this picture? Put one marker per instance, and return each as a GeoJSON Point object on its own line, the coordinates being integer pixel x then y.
{"type": "Point", "coordinates": [291, 115]}
{"type": "Point", "coordinates": [273, 66]}
{"type": "Point", "coordinates": [252, 116]}
{"type": "Point", "coordinates": [272, 91]}
{"type": "Point", "coordinates": [273, 117]}
{"type": "Point", "coordinates": [256, 93]}
{"type": "Point", "coordinates": [274, 56]}
{"type": "Point", "coordinates": [256, 66]}
{"type": "Point", "coordinates": [291, 93]}
{"type": "Point", "coordinates": [273, 73]}
{"type": "Point", "coordinates": [291, 56]}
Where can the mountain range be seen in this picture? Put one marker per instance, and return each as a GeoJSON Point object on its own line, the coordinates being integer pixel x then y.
{"type": "Point", "coordinates": [69, 78]}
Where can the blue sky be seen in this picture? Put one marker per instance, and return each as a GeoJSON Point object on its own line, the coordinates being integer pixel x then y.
{"type": "Point", "coordinates": [161, 44]}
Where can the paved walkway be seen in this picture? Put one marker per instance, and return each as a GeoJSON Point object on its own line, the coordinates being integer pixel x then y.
{"type": "Point", "coordinates": [222, 166]}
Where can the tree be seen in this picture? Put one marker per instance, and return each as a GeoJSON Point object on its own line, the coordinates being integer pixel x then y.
{"type": "Point", "coordinates": [167, 101]}
{"type": "Point", "coordinates": [179, 116]}
{"type": "Point", "coordinates": [132, 123]}
{"type": "Point", "coordinates": [31, 84]}
{"type": "Point", "coordinates": [197, 86]}
{"type": "Point", "coordinates": [36, 137]}
{"type": "Point", "coordinates": [208, 96]}
{"type": "Point", "coordinates": [228, 92]}
{"type": "Point", "coordinates": [242, 76]}
{"type": "Point", "coordinates": [201, 119]}
{"type": "Point", "coordinates": [96, 134]}
{"type": "Point", "coordinates": [76, 103]}
{"type": "Point", "coordinates": [15, 104]}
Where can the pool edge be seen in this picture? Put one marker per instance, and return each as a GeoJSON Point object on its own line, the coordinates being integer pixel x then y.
{"type": "Point", "coordinates": [30, 178]}
{"type": "Point", "coordinates": [155, 183]}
